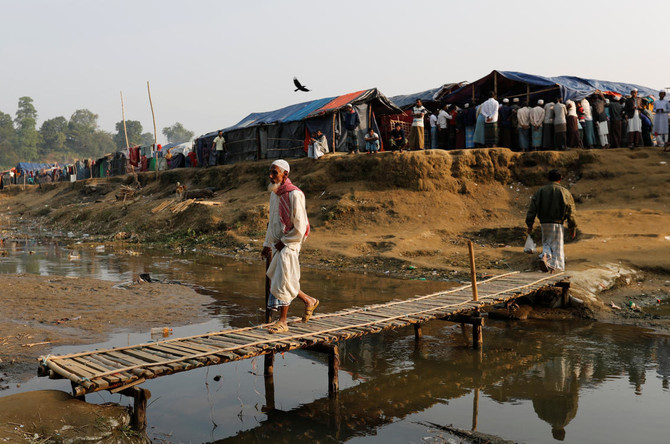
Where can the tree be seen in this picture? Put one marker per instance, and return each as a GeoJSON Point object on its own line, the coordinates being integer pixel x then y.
{"type": "Point", "coordinates": [177, 133]}
{"type": "Point", "coordinates": [8, 156]}
{"type": "Point", "coordinates": [80, 131]}
{"type": "Point", "coordinates": [134, 129]}
{"type": "Point", "coordinates": [27, 136]}
{"type": "Point", "coordinates": [147, 139]}
{"type": "Point", "coordinates": [53, 137]}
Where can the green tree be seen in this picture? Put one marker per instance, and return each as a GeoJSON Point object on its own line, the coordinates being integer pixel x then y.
{"type": "Point", "coordinates": [27, 137]}
{"type": "Point", "coordinates": [53, 137]}
{"type": "Point", "coordinates": [147, 139]}
{"type": "Point", "coordinates": [80, 132]}
{"type": "Point", "coordinates": [134, 128]}
{"type": "Point", "coordinates": [177, 133]}
{"type": "Point", "coordinates": [8, 156]}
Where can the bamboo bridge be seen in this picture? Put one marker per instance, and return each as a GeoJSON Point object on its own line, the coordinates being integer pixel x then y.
{"type": "Point", "coordinates": [122, 369]}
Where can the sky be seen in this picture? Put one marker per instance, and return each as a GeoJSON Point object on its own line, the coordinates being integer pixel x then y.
{"type": "Point", "coordinates": [211, 63]}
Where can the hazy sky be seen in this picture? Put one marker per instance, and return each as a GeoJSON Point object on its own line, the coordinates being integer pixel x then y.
{"type": "Point", "coordinates": [210, 63]}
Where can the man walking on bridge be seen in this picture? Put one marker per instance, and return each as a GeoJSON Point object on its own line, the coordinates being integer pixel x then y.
{"type": "Point", "coordinates": [288, 227]}
{"type": "Point", "coordinates": [552, 204]}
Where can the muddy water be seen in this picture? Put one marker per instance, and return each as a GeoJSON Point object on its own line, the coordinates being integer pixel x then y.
{"type": "Point", "coordinates": [532, 382]}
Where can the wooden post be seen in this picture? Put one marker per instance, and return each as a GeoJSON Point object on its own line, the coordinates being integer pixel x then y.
{"type": "Point", "coordinates": [477, 337]}
{"type": "Point", "coordinates": [258, 143]}
{"type": "Point", "coordinates": [495, 83]}
{"type": "Point", "coordinates": [473, 273]}
{"type": "Point", "coordinates": [473, 94]}
{"type": "Point", "coordinates": [527, 94]}
{"type": "Point", "coordinates": [140, 397]}
{"type": "Point", "coordinates": [269, 387]}
{"type": "Point", "coordinates": [475, 410]}
{"type": "Point", "coordinates": [269, 359]}
{"type": "Point", "coordinates": [418, 334]}
{"type": "Point", "coordinates": [153, 116]}
{"type": "Point", "coordinates": [333, 370]}
{"type": "Point", "coordinates": [123, 115]}
{"type": "Point", "coordinates": [565, 295]}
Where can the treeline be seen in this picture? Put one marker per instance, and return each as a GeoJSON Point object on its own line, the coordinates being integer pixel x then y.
{"type": "Point", "coordinates": [63, 140]}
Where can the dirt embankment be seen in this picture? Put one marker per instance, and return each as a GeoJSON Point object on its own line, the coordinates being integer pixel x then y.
{"type": "Point", "coordinates": [411, 209]}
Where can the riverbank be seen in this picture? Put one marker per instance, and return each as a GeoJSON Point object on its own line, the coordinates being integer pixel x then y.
{"type": "Point", "coordinates": [407, 215]}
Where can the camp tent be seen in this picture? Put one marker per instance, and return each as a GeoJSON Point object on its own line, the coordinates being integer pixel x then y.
{"type": "Point", "coordinates": [530, 87]}
{"type": "Point", "coordinates": [284, 132]}
{"type": "Point", "coordinates": [27, 167]}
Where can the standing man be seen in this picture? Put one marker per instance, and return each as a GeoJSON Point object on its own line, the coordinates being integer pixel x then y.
{"type": "Point", "coordinates": [489, 110]}
{"type": "Point", "coordinates": [433, 130]}
{"type": "Point", "coordinates": [536, 122]}
{"type": "Point", "coordinates": [616, 122]}
{"type": "Point", "coordinates": [573, 125]}
{"type": "Point", "coordinates": [632, 107]}
{"type": "Point", "coordinates": [442, 119]}
{"type": "Point", "coordinates": [560, 124]}
{"type": "Point", "coordinates": [416, 135]}
{"type": "Point", "coordinates": [523, 120]}
{"type": "Point", "coordinates": [661, 108]}
{"type": "Point", "coordinates": [470, 123]}
{"type": "Point", "coordinates": [220, 149]}
{"type": "Point", "coordinates": [505, 124]}
{"type": "Point", "coordinates": [548, 127]}
{"type": "Point", "coordinates": [288, 228]}
{"type": "Point", "coordinates": [553, 205]}
{"type": "Point", "coordinates": [589, 138]}
{"type": "Point", "coordinates": [351, 122]}
{"type": "Point", "coordinates": [600, 116]}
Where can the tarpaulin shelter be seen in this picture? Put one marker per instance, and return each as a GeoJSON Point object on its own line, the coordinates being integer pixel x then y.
{"type": "Point", "coordinates": [285, 132]}
{"type": "Point", "coordinates": [529, 88]}
{"type": "Point", "coordinates": [27, 167]}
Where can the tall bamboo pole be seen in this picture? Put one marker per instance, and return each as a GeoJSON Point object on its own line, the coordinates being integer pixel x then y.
{"type": "Point", "coordinates": [473, 272]}
{"type": "Point", "coordinates": [153, 116]}
{"type": "Point", "coordinates": [123, 114]}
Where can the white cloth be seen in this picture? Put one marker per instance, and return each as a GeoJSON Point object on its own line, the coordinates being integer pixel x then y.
{"type": "Point", "coordinates": [635, 123]}
{"type": "Point", "coordinates": [489, 110]}
{"type": "Point", "coordinates": [661, 108]}
{"type": "Point", "coordinates": [219, 141]}
{"type": "Point", "coordinates": [537, 116]}
{"type": "Point", "coordinates": [571, 107]}
{"type": "Point", "coordinates": [523, 117]}
{"type": "Point", "coordinates": [433, 120]}
{"type": "Point", "coordinates": [284, 269]}
{"type": "Point", "coordinates": [318, 148]}
{"type": "Point", "coordinates": [559, 114]}
{"type": "Point", "coordinates": [603, 131]}
{"type": "Point", "coordinates": [417, 113]}
{"type": "Point", "coordinates": [586, 106]}
{"type": "Point", "coordinates": [442, 118]}
{"type": "Point", "coordinates": [552, 246]}
{"type": "Point", "coordinates": [549, 113]}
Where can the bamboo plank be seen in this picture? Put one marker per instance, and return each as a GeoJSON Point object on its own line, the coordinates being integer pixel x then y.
{"type": "Point", "coordinates": [98, 368]}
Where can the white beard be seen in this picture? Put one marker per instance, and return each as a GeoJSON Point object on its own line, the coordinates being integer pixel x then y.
{"type": "Point", "coordinates": [272, 187]}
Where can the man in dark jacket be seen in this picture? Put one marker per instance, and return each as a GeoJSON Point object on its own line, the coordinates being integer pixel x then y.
{"type": "Point", "coordinates": [552, 204]}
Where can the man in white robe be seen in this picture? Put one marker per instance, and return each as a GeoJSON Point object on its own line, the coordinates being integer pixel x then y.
{"type": "Point", "coordinates": [288, 227]}
{"type": "Point", "coordinates": [661, 108]}
{"type": "Point", "coordinates": [318, 145]}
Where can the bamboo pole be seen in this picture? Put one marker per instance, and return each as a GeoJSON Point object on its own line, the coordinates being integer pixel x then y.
{"type": "Point", "coordinates": [473, 272]}
{"type": "Point", "coordinates": [123, 115]}
{"type": "Point", "coordinates": [153, 116]}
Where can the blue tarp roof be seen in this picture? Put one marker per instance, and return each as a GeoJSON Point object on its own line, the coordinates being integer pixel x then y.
{"type": "Point", "coordinates": [404, 101]}
{"type": "Point", "coordinates": [29, 166]}
{"type": "Point", "coordinates": [570, 87]}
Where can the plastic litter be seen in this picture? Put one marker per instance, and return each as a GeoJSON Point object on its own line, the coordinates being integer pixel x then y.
{"type": "Point", "coordinates": [530, 246]}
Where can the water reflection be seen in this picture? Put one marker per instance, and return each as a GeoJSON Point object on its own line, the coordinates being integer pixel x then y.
{"type": "Point", "coordinates": [531, 382]}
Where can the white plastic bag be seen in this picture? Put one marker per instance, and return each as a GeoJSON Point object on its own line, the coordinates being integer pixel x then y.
{"type": "Point", "coordinates": [530, 246]}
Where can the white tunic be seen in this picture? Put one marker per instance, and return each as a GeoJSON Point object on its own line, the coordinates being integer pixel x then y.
{"type": "Point", "coordinates": [284, 270]}
{"type": "Point", "coordinates": [661, 108]}
{"type": "Point", "coordinates": [318, 148]}
{"type": "Point", "coordinates": [490, 110]}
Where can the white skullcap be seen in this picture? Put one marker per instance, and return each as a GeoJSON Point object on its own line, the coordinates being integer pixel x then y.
{"type": "Point", "coordinates": [505, 100]}
{"type": "Point", "coordinates": [516, 100]}
{"type": "Point", "coordinates": [348, 105]}
{"type": "Point", "coordinates": [607, 100]}
{"type": "Point", "coordinates": [634, 89]}
{"type": "Point", "coordinates": [467, 105]}
{"type": "Point", "coordinates": [281, 163]}
{"type": "Point", "coordinates": [540, 102]}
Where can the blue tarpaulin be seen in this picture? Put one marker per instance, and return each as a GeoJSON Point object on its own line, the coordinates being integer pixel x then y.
{"type": "Point", "coordinates": [29, 166]}
{"type": "Point", "coordinates": [533, 87]}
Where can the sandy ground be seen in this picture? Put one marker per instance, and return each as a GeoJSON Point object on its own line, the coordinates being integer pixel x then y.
{"type": "Point", "coordinates": [407, 214]}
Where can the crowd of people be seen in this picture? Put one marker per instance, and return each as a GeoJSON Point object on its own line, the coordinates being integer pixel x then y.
{"type": "Point", "coordinates": [597, 121]}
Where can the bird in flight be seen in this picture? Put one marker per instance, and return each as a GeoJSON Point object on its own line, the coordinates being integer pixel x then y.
{"type": "Point", "coordinates": [298, 85]}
